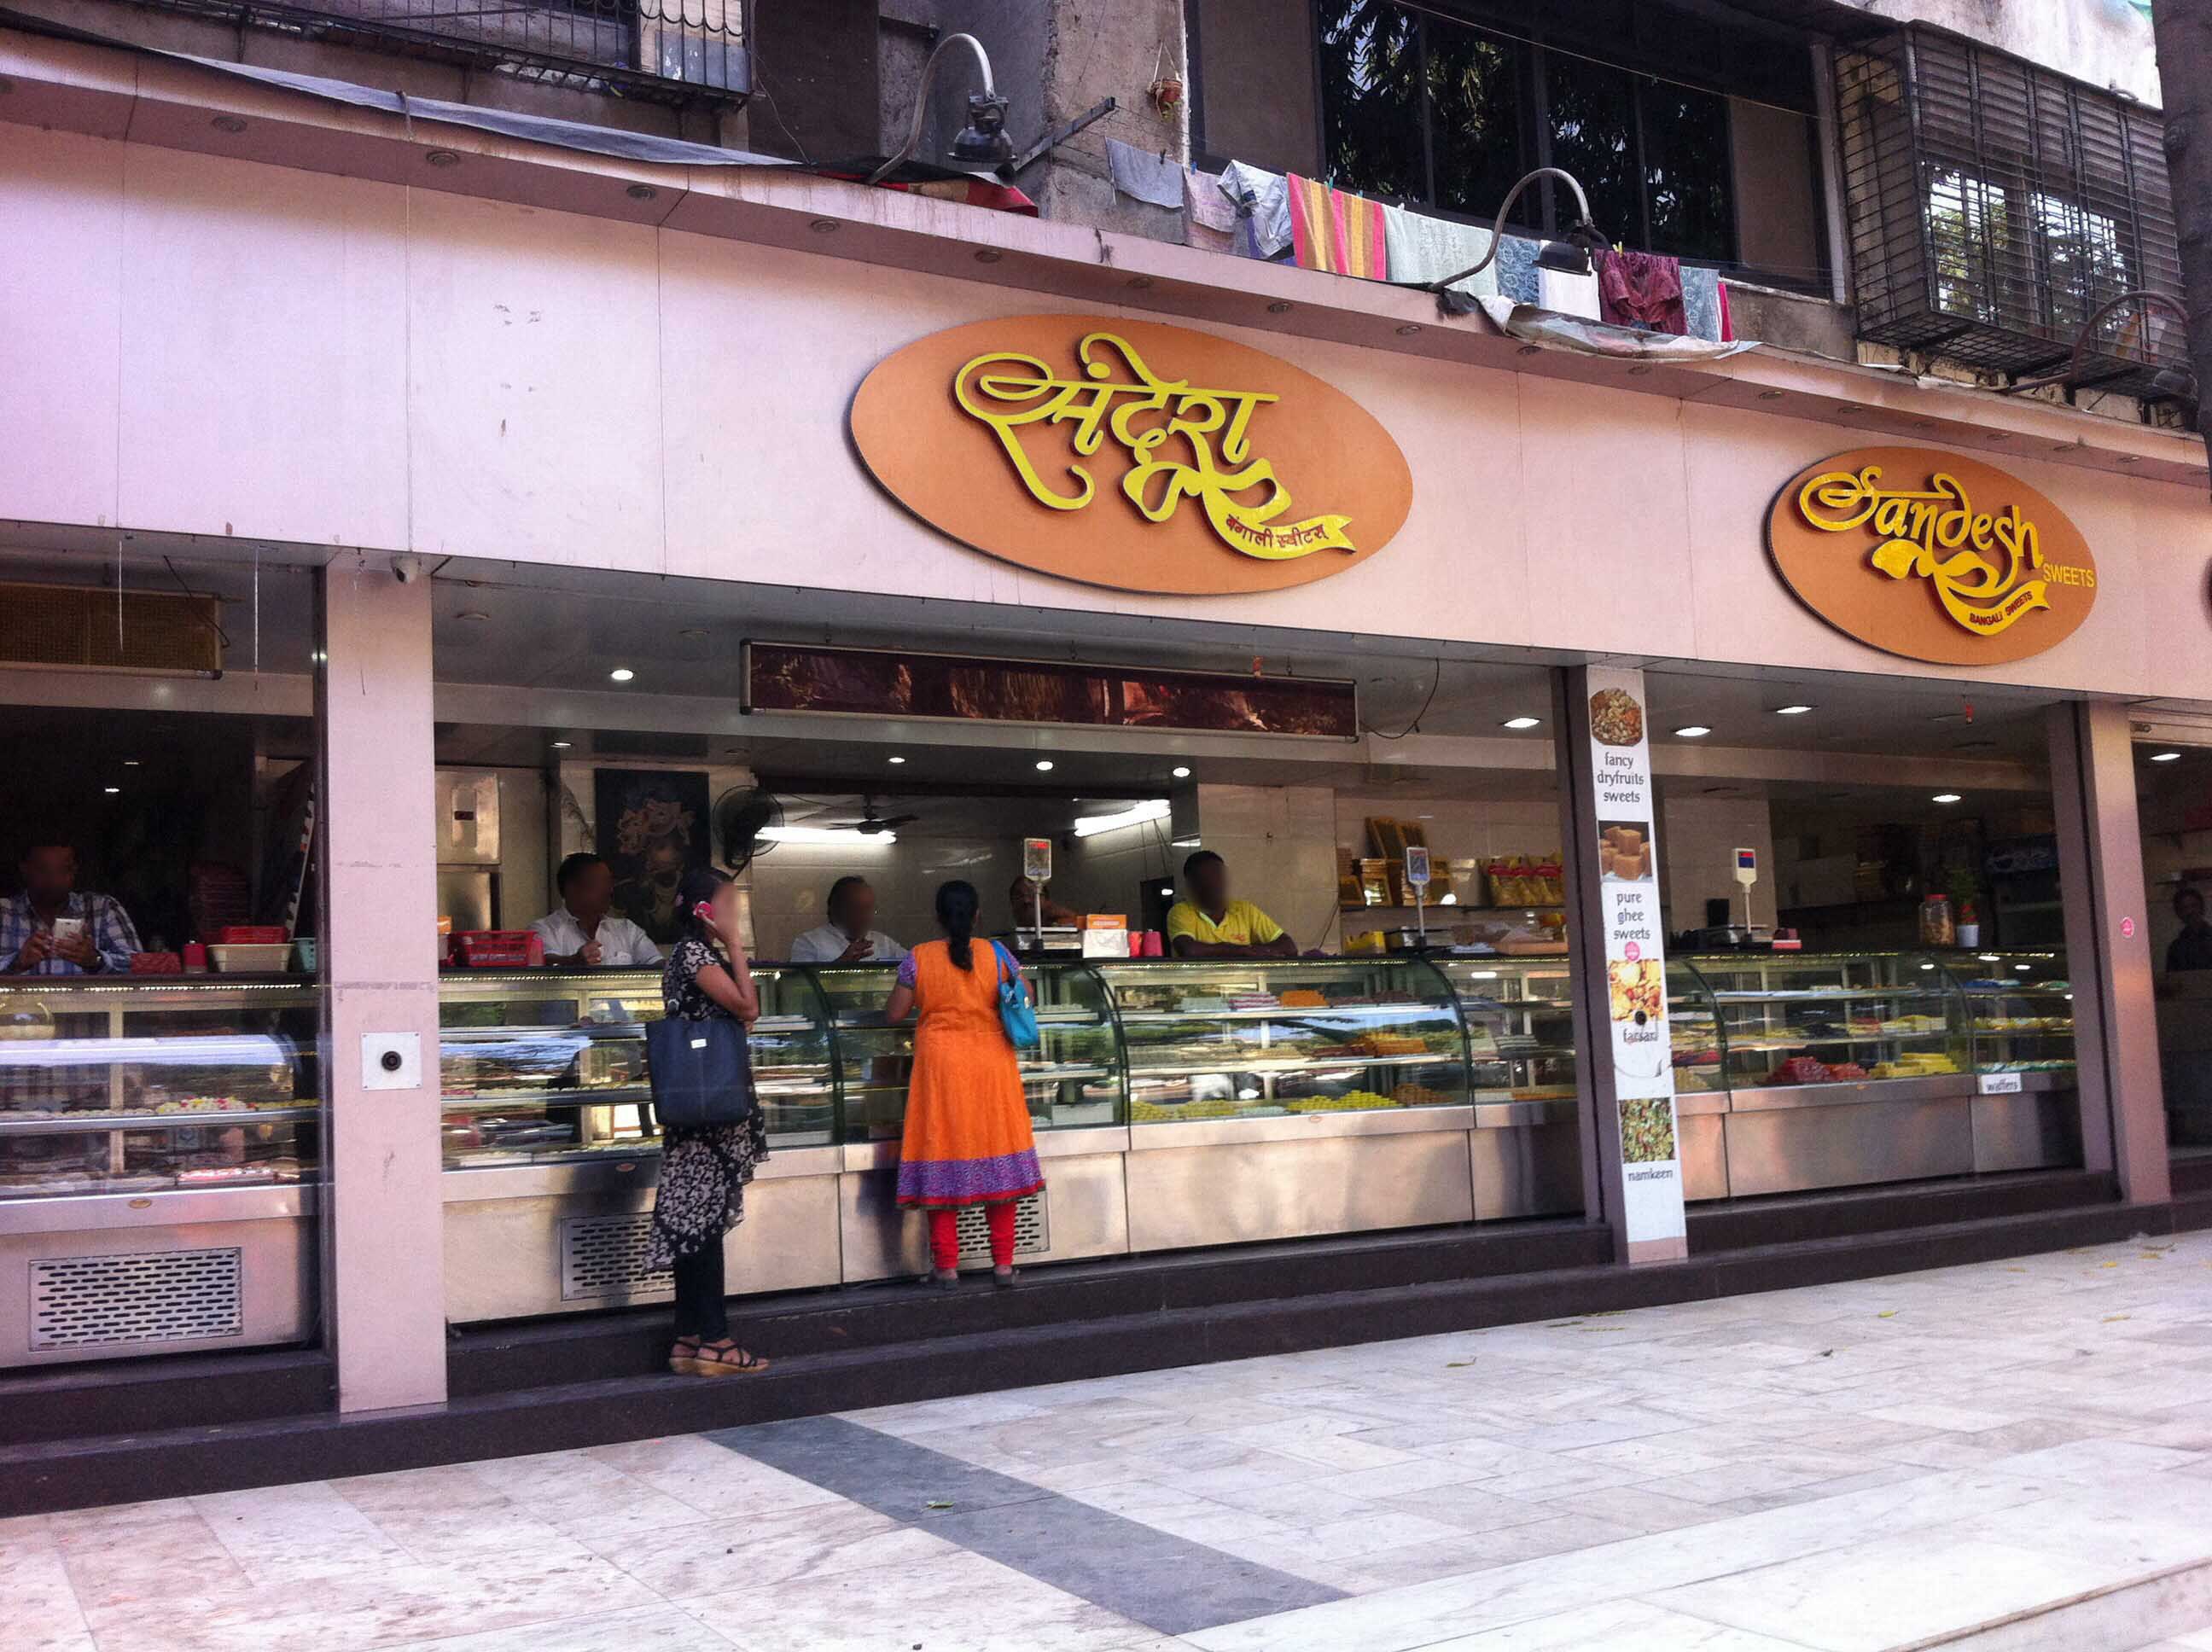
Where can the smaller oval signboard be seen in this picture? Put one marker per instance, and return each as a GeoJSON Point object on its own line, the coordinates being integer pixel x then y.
{"type": "Point", "coordinates": [1932, 556]}
{"type": "Point", "coordinates": [1131, 454]}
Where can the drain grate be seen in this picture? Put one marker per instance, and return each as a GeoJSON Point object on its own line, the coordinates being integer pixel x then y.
{"type": "Point", "coordinates": [168, 1295]}
{"type": "Point", "coordinates": [1029, 1235]}
{"type": "Point", "coordinates": [604, 1256]}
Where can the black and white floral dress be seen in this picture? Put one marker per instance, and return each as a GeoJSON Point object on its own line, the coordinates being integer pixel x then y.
{"type": "Point", "coordinates": [703, 1170]}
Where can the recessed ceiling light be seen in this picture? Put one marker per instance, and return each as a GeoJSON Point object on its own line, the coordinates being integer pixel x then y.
{"type": "Point", "coordinates": [642, 191]}
{"type": "Point", "coordinates": [1520, 722]}
{"type": "Point", "coordinates": [895, 760]}
{"type": "Point", "coordinates": [621, 674]}
{"type": "Point", "coordinates": [132, 762]}
{"type": "Point", "coordinates": [988, 255]}
{"type": "Point", "coordinates": [560, 745]}
{"type": "Point", "coordinates": [1693, 731]}
{"type": "Point", "coordinates": [1044, 765]}
{"type": "Point", "coordinates": [1944, 796]}
{"type": "Point", "coordinates": [228, 123]}
{"type": "Point", "coordinates": [694, 634]}
{"type": "Point", "coordinates": [443, 158]}
{"type": "Point", "coordinates": [1791, 711]}
{"type": "Point", "coordinates": [1182, 773]}
{"type": "Point", "coordinates": [111, 791]}
{"type": "Point", "coordinates": [2166, 757]}
{"type": "Point", "coordinates": [473, 616]}
{"type": "Point", "coordinates": [823, 226]}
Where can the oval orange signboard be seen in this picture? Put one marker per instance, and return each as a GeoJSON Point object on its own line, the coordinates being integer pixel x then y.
{"type": "Point", "coordinates": [1131, 454]}
{"type": "Point", "coordinates": [1932, 556]}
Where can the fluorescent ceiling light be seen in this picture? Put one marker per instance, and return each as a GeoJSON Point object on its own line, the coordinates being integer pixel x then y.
{"type": "Point", "coordinates": [1520, 722]}
{"type": "Point", "coordinates": [1135, 815]}
{"type": "Point", "coordinates": [1945, 796]}
{"type": "Point", "coordinates": [1693, 731]}
{"type": "Point", "coordinates": [842, 836]}
{"type": "Point", "coordinates": [2166, 757]}
{"type": "Point", "coordinates": [895, 760]}
{"type": "Point", "coordinates": [1791, 711]}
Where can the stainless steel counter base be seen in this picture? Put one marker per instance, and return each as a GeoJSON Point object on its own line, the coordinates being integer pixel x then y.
{"type": "Point", "coordinates": [117, 1276]}
{"type": "Point", "coordinates": [526, 1240]}
{"type": "Point", "coordinates": [1799, 1139]}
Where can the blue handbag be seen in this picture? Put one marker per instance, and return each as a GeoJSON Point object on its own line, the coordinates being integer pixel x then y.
{"type": "Point", "coordinates": [700, 1070]}
{"type": "Point", "coordinates": [1016, 1013]}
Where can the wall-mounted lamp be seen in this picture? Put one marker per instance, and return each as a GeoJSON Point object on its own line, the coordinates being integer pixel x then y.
{"type": "Point", "coordinates": [1569, 256]}
{"type": "Point", "coordinates": [983, 141]}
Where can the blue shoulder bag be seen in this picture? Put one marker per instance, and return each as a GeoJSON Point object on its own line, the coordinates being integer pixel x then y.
{"type": "Point", "coordinates": [1016, 1013]}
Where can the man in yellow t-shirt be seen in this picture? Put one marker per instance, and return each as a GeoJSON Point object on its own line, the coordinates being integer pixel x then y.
{"type": "Point", "coordinates": [1209, 925]}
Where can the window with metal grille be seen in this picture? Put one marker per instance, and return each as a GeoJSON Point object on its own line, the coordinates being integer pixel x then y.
{"type": "Point", "coordinates": [1995, 206]}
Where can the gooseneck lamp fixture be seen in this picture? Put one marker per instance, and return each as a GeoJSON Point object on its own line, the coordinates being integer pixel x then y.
{"type": "Point", "coordinates": [983, 141]}
{"type": "Point", "coordinates": [1569, 256]}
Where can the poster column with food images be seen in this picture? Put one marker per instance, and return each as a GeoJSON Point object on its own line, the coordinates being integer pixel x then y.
{"type": "Point", "coordinates": [1621, 940]}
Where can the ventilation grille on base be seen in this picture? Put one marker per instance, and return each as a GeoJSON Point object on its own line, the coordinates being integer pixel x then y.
{"type": "Point", "coordinates": [73, 626]}
{"type": "Point", "coordinates": [1030, 1236]}
{"type": "Point", "coordinates": [604, 1256]}
{"type": "Point", "coordinates": [174, 1296]}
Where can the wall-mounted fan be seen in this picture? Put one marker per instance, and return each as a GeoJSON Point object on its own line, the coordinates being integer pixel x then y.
{"type": "Point", "coordinates": [740, 815]}
{"type": "Point", "coordinates": [870, 824]}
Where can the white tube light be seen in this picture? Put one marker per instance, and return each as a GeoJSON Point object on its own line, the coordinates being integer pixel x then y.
{"type": "Point", "coordinates": [1136, 813]}
{"type": "Point", "coordinates": [842, 836]}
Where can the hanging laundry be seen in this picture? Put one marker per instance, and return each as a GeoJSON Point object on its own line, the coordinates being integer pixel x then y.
{"type": "Point", "coordinates": [1701, 303]}
{"type": "Point", "coordinates": [1516, 269]}
{"type": "Point", "coordinates": [1641, 289]}
{"type": "Point", "coordinates": [1263, 226]}
{"type": "Point", "coordinates": [1423, 251]}
{"type": "Point", "coordinates": [1728, 322]}
{"type": "Point", "coordinates": [1209, 216]}
{"type": "Point", "coordinates": [1337, 232]}
{"type": "Point", "coordinates": [1144, 174]}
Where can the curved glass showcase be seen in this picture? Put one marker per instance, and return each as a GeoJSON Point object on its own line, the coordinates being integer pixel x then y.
{"type": "Point", "coordinates": [1520, 1026]}
{"type": "Point", "coordinates": [1268, 1038]}
{"type": "Point", "coordinates": [1762, 1021]}
{"type": "Point", "coordinates": [142, 1085]}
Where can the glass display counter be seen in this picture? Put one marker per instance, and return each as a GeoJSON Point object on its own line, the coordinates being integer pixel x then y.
{"type": "Point", "coordinates": [173, 1118]}
{"type": "Point", "coordinates": [1796, 1071]}
{"type": "Point", "coordinates": [1519, 1021]}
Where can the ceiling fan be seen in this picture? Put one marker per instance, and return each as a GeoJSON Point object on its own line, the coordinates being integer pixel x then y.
{"type": "Point", "coordinates": [870, 824]}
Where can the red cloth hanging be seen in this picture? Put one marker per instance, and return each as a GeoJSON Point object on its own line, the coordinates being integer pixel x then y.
{"type": "Point", "coordinates": [1642, 289]}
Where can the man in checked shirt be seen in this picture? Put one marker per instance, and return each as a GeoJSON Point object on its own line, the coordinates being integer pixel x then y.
{"type": "Point", "coordinates": [52, 929]}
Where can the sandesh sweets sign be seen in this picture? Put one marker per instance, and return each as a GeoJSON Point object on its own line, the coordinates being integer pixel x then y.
{"type": "Point", "coordinates": [1932, 556]}
{"type": "Point", "coordinates": [1131, 454]}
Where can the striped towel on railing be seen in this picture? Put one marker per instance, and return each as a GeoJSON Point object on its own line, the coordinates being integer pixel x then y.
{"type": "Point", "coordinates": [1341, 233]}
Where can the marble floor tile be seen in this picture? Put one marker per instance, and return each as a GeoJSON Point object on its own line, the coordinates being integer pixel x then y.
{"type": "Point", "coordinates": [646, 1629]}
{"type": "Point", "coordinates": [1895, 1592]}
{"type": "Point", "coordinates": [1346, 1539]}
{"type": "Point", "coordinates": [290, 1535]}
{"type": "Point", "coordinates": [2089, 1462]}
{"type": "Point", "coordinates": [1421, 1476]}
{"type": "Point", "coordinates": [582, 1497]}
{"type": "Point", "coordinates": [719, 1557]}
{"type": "Point", "coordinates": [720, 1484]}
{"type": "Point", "coordinates": [961, 1601]}
{"type": "Point", "coordinates": [1634, 1624]}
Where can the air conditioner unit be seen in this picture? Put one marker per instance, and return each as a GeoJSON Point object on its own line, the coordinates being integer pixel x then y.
{"type": "Point", "coordinates": [81, 629]}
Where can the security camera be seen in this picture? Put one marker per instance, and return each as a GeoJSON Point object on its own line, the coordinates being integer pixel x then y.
{"type": "Point", "coordinates": [407, 569]}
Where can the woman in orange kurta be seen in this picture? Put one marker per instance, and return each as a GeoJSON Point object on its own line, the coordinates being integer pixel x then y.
{"type": "Point", "coordinates": [967, 1137]}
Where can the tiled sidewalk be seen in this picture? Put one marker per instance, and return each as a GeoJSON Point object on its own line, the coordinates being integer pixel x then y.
{"type": "Point", "coordinates": [2015, 1456]}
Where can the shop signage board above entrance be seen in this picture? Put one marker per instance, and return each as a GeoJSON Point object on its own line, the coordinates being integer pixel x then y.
{"type": "Point", "coordinates": [1132, 454]}
{"type": "Point", "coordinates": [1932, 556]}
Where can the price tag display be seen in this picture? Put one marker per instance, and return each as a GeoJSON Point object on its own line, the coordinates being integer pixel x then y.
{"type": "Point", "coordinates": [1417, 865]}
{"type": "Point", "coordinates": [1037, 860]}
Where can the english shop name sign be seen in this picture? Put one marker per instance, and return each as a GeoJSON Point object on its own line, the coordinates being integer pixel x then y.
{"type": "Point", "coordinates": [1932, 556]}
{"type": "Point", "coordinates": [1131, 454]}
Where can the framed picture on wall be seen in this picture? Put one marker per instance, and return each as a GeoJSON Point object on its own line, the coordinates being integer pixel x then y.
{"type": "Point", "coordinates": [652, 828]}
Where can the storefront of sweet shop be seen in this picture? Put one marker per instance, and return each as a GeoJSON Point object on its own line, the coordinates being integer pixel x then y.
{"type": "Point", "coordinates": [1437, 785]}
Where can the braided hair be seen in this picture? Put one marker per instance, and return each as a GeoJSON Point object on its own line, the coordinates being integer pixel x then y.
{"type": "Point", "coordinates": [957, 904]}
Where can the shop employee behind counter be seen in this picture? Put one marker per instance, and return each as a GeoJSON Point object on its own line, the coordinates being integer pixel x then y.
{"type": "Point", "coordinates": [850, 936]}
{"type": "Point", "coordinates": [583, 929]}
{"type": "Point", "coordinates": [1208, 924]}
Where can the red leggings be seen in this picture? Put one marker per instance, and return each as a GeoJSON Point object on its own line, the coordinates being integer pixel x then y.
{"type": "Point", "coordinates": [945, 1236]}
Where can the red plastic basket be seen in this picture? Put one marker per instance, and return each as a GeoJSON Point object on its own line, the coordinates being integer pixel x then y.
{"type": "Point", "coordinates": [251, 935]}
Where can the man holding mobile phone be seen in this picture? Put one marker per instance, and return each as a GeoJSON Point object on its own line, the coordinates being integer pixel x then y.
{"type": "Point", "coordinates": [53, 929]}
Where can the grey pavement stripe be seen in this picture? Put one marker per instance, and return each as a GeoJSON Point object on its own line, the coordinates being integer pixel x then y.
{"type": "Point", "coordinates": [1168, 1583]}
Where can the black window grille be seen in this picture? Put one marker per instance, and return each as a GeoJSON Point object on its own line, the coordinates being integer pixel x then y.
{"type": "Point", "coordinates": [1995, 206]}
{"type": "Point", "coordinates": [666, 50]}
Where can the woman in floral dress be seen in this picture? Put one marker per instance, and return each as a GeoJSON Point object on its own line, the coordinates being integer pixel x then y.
{"type": "Point", "coordinates": [704, 1168]}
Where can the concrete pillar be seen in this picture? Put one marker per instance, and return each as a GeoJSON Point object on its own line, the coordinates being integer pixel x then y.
{"type": "Point", "coordinates": [1630, 1139]}
{"type": "Point", "coordinates": [2093, 784]}
{"type": "Point", "coordinates": [383, 1261]}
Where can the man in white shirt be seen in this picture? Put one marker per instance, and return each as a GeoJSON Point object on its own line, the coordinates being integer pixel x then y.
{"type": "Point", "coordinates": [850, 936]}
{"type": "Point", "coordinates": [581, 930]}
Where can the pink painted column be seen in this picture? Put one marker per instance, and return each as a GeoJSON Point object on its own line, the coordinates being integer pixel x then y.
{"type": "Point", "coordinates": [2093, 785]}
{"type": "Point", "coordinates": [383, 1265]}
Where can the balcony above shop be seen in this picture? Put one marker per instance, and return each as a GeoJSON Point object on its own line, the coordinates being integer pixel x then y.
{"type": "Point", "coordinates": [667, 51]}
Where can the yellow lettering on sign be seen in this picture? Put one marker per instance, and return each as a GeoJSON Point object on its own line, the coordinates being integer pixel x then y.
{"type": "Point", "coordinates": [1922, 535]}
{"type": "Point", "coordinates": [1183, 441]}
